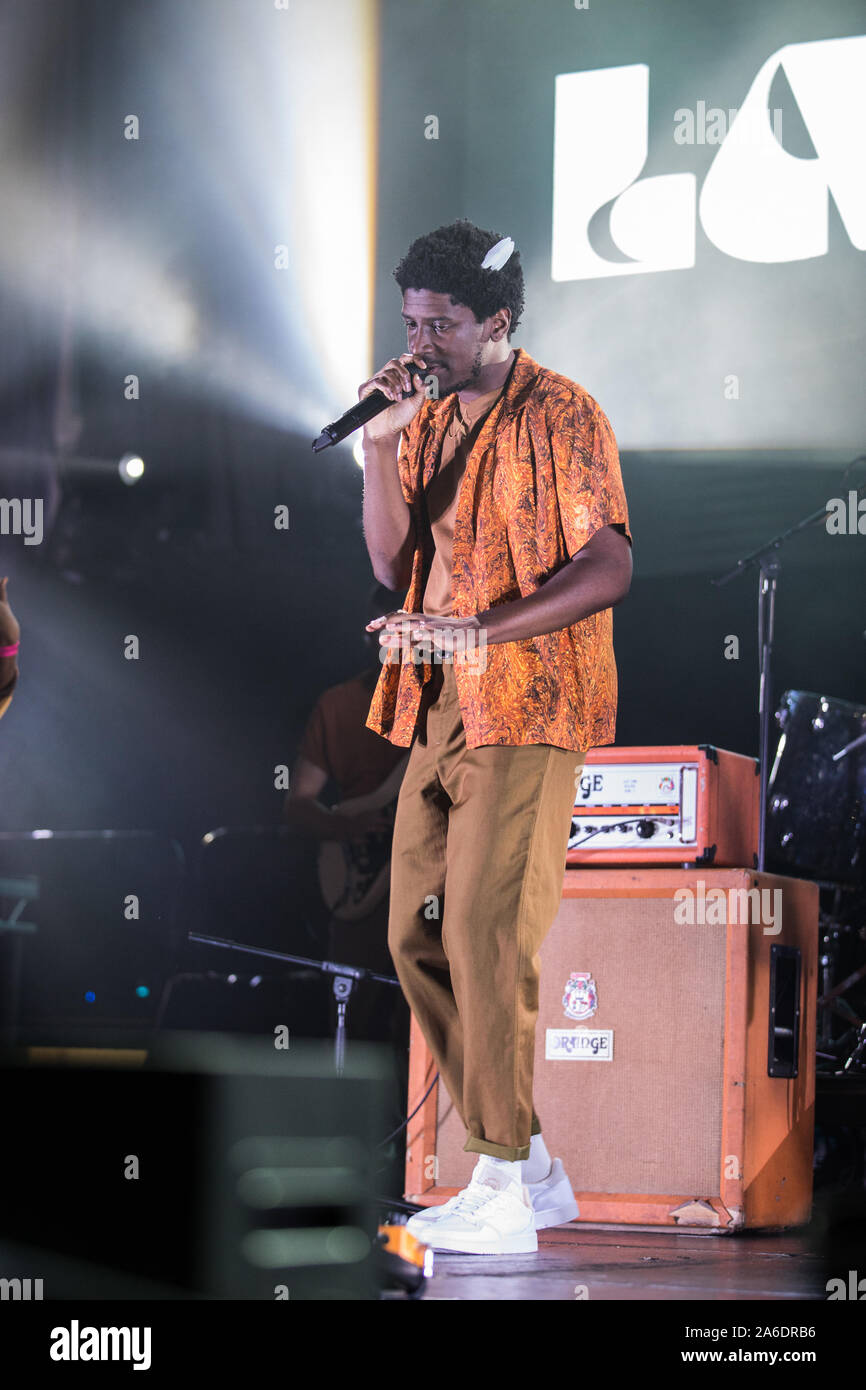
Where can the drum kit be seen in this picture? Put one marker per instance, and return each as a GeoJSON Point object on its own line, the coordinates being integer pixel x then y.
{"type": "Point", "coordinates": [813, 810]}
{"type": "Point", "coordinates": [816, 829]}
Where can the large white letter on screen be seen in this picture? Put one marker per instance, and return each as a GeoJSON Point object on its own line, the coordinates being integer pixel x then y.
{"type": "Point", "coordinates": [759, 203]}
{"type": "Point", "coordinates": [601, 123]}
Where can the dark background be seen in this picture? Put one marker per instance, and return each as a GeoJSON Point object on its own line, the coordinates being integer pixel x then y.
{"type": "Point", "coordinates": [109, 242]}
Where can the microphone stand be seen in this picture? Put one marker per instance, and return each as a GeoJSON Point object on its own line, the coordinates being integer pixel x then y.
{"type": "Point", "coordinates": [768, 564]}
{"type": "Point", "coordinates": [345, 979]}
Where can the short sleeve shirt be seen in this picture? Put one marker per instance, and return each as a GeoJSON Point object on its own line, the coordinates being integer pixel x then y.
{"type": "Point", "coordinates": [542, 477]}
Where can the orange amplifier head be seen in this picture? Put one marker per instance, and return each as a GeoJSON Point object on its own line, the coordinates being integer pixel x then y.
{"type": "Point", "coordinates": [676, 803]}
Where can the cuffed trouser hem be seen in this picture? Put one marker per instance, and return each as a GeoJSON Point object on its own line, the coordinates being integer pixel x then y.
{"type": "Point", "coordinates": [510, 1153]}
{"type": "Point", "coordinates": [513, 1153]}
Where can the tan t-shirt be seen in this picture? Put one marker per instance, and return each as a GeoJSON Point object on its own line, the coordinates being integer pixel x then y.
{"type": "Point", "coordinates": [443, 493]}
{"type": "Point", "coordinates": [338, 741]}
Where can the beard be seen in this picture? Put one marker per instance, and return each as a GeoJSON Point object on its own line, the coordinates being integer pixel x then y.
{"type": "Point", "coordinates": [467, 381]}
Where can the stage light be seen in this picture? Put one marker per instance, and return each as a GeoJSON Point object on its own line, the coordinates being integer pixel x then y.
{"type": "Point", "coordinates": [275, 319]}
{"type": "Point", "coordinates": [358, 451]}
{"type": "Point", "coordinates": [131, 469]}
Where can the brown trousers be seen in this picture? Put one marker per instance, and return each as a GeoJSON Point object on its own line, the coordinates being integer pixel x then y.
{"type": "Point", "coordinates": [476, 880]}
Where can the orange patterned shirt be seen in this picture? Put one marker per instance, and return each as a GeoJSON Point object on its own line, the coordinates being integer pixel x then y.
{"type": "Point", "coordinates": [541, 479]}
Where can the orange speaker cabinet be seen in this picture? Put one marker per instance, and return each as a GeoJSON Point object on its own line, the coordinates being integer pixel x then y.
{"type": "Point", "coordinates": [675, 1053]}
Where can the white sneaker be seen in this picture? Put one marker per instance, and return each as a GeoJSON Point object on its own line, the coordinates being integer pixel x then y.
{"type": "Point", "coordinates": [551, 1198]}
{"type": "Point", "coordinates": [421, 1221]}
{"type": "Point", "coordinates": [492, 1216]}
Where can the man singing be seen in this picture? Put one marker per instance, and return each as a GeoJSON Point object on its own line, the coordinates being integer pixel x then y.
{"type": "Point", "coordinates": [495, 495]}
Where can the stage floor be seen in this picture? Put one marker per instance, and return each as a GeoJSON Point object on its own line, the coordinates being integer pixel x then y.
{"type": "Point", "coordinates": [633, 1263]}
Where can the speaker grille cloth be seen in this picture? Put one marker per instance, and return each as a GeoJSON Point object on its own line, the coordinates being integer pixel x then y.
{"type": "Point", "coordinates": [650, 1120]}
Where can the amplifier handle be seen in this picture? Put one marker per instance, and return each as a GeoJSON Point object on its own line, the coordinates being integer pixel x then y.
{"type": "Point", "coordinates": [688, 805]}
{"type": "Point", "coordinates": [784, 1011]}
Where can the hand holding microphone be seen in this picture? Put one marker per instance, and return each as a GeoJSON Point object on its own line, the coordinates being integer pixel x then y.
{"type": "Point", "coordinates": [393, 383]}
{"type": "Point", "coordinates": [399, 381]}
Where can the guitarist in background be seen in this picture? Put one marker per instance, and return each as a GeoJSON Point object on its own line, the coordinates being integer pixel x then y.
{"type": "Point", "coordinates": [337, 747]}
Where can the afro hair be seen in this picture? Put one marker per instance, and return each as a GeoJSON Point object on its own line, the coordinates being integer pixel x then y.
{"type": "Point", "coordinates": [448, 261]}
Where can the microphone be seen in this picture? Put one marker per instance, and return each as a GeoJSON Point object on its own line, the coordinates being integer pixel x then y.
{"type": "Point", "coordinates": [359, 414]}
